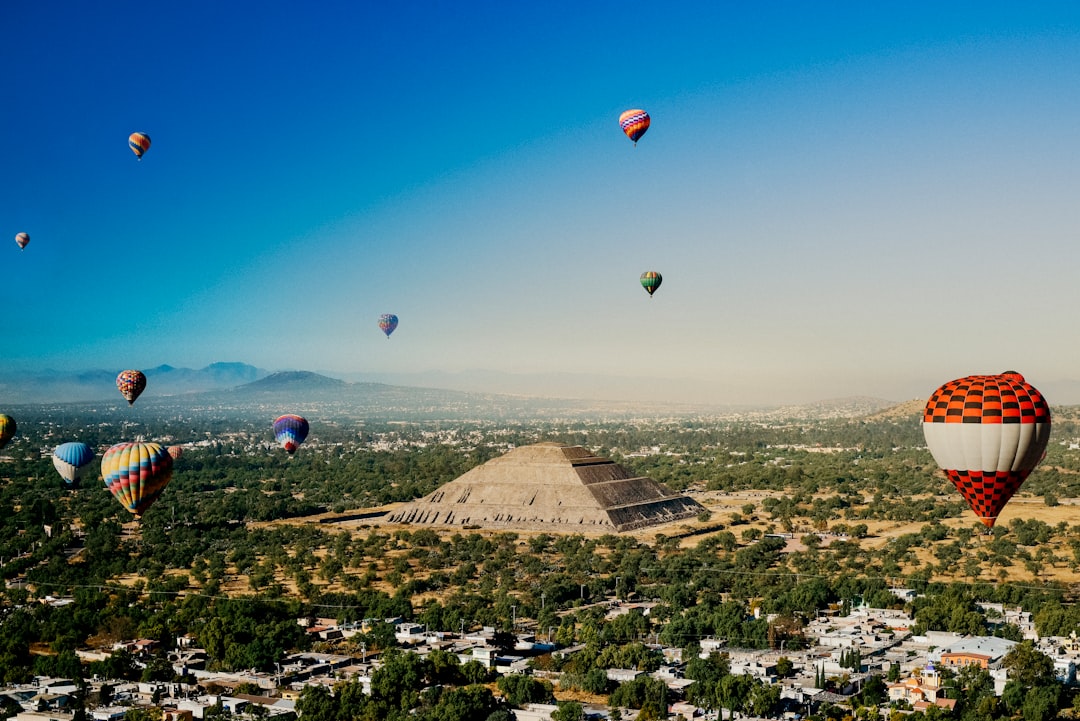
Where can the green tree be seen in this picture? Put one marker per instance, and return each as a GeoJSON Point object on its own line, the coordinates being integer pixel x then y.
{"type": "Point", "coordinates": [520, 690]}
{"type": "Point", "coordinates": [460, 704]}
{"type": "Point", "coordinates": [1028, 666]}
{"type": "Point", "coordinates": [764, 699]}
{"type": "Point", "coordinates": [1041, 703]}
{"type": "Point", "coordinates": [474, 672]}
{"type": "Point", "coordinates": [316, 703]}
{"type": "Point", "coordinates": [706, 673]}
{"type": "Point", "coordinates": [396, 685]}
{"type": "Point", "coordinates": [568, 711]}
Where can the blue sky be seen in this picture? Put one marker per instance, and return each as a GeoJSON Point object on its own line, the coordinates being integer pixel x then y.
{"type": "Point", "coordinates": [843, 197]}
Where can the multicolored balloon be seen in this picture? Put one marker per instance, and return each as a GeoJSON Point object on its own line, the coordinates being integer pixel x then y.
{"type": "Point", "coordinates": [290, 431]}
{"type": "Point", "coordinates": [7, 429]}
{"type": "Point", "coordinates": [139, 144]}
{"type": "Point", "coordinates": [175, 452]}
{"type": "Point", "coordinates": [634, 123]}
{"type": "Point", "coordinates": [22, 240]}
{"type": "Point", "coordinates": [131, 384]}
{"type": "Point", "coordinates": [650, 281]}
{"type": "Point", "coordinates": [388, 322]}
{"type": "Point", "coordinates": [136, 474]}
{"type": "Point", "coordinates": [987, 433]}
{"type": "Point", "coordinates": [69, 459]}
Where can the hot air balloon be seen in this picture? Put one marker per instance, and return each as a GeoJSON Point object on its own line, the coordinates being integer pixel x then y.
{"type": "Point", "coordinates": [175, 452]}
{"type": "Point", "coordinates": [69, 458]}
{"type": "Point", "coordinates": [136, 474]}
{"type": "Point", "coordinates": [388, 322]}
{"type": "Point", "coordinates": [650, 281]}
{"type": "Point", "coordinates": [7, 429]}
{"type": "Point", "coordinates": [22, 240]}
{"type": "Point", "coordinates": [139, 144]}
{"type": "Point", "coordinates": [634, 123]}
{"type": "Point", "coordinates": [290, 431]}
{"type": "Point", "coordinates": [987, 433]}
{"type": "Point", "coordinates": [131, 384]}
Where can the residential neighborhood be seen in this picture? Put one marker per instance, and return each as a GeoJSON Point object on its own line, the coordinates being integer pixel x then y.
{"type": "Point", "coordinates": [848, 652]}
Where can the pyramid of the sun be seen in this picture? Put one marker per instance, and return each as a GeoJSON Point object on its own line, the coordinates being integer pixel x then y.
{"type": "Point", "coordinates": [552, 487]}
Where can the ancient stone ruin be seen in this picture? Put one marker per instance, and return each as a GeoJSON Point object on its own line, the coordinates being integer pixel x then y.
{"type": "Point", "coordinates": [552, 487]}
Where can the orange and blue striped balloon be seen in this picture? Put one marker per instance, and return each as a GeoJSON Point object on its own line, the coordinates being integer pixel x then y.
{"type": "Point", "coordinates": [136, 474]}
{"type": "Point", "coordinates": [634, 123]}
{"type": "Point", "coordinates": [139, 144]}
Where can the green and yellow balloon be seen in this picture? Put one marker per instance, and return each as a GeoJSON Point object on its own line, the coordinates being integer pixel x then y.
{"type": "Point", "coordinates": [650, 281]}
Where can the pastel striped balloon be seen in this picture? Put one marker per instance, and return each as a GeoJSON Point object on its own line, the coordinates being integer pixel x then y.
{"type": "Point", "coordinates": [136, 474]}
{"type": "Point", "coordinates": [22, 240]}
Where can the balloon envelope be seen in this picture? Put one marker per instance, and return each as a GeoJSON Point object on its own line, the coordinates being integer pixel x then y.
{"type": "Point", "coordinates": [22, 240]}
{"type": "Point", "coordinates": [388, 322]}
{"type": "Point", "coordinates": [290, 431]}
{"type": "Point", "coordinates": [69, 458]}
{"type": "Point", "coordinates": [136, 474]}
{"type": "Point", "coordinates": [987, 433]}
{"type": "Point", "coordinates": [139, 144]}
{"type": "Point", "coordinates": [131, 384]}
{"type": "Point", "coordinates": [175, 452]}
{"type": "Point", "coordinates": [634, 123]}
{"type": "Point", "coordinates": [7, 429]}
{"type": "Point", "coordinates": [650, 281]}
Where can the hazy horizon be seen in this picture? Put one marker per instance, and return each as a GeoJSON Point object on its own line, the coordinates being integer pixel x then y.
{"type": "Point", "coordinates": [169, 379]}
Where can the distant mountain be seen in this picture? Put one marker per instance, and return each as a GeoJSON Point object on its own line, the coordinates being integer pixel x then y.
{"type": "Point", "coordinates": [581, 386]}
{"type": "Point", "coordinates": [51, 386]}
{"type": "Point", "coordinates": [848, 407]}
{"type": "Point", "coordinates": [284, 381]}
{"type": "Point", "coordinates": [907, 409]}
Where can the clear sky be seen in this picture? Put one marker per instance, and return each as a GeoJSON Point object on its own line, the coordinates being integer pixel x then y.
{"type": "Point", "coordinates": [843, 197]}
